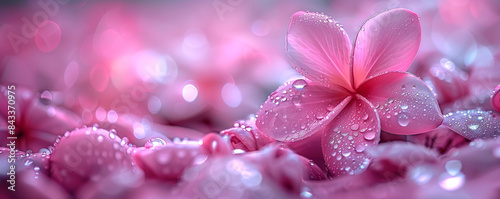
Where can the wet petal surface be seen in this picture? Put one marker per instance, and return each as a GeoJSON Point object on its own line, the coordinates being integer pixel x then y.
{"type": "Point", "coordinates": [319, 49]}
{"type": "Point", "coordinates": [348, 135]}
{"type": "Point", "coordinates": [386, 42]}
{"type": "Point", "coordinates": [474, 124]}
{"type": "Point", "coordinates": [299, 109]}
{"type": "Point", "coordinates": [404, 103]}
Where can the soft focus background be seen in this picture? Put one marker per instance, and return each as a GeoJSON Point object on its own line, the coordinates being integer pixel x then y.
{"type": "Point", "coordinates": [205, 64]}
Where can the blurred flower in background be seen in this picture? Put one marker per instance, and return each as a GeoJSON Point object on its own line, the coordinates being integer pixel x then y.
{"type": "Point", "coordinates": [205, 64]}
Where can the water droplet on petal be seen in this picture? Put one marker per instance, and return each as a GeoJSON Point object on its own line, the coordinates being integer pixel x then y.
{"type": "Point", "coordinates": [473, 126]}
{"type": "Point", "coordinates": [306, 193]}
{"type": "Point", "coordinates": [112, 133]}
{"type": "Point", "coordinates": [403, 119]}
{"type": "Point", "coordinates": [360, 148]}
{"type": "Point", "coordinates": [46, 97]}
{"type": "Point", "coordinates": [155, 142]}
{"type": "Point", "coordinates": [355, 127]}
{"type": "Point", "coordinates": [369, 135]}
{"type": "Point", "coordinates": [28, 162]}
{"type": "Point", "coordinates": [124, 141]}
{"type": "Point", "coordinates": [303, 126]}
{"type": "Point", "coordinates": [296, 100]}
{"type": "Point", "coordinates": [299, 84]}
{"type": "Point", "coordinates": [100, 138]}
{"type": "Point", "coordinates": [453, 167]}
{"type": "Point", "coordinates": [346, 153]}
{"type": "Point", "coordinates": [404, 106]}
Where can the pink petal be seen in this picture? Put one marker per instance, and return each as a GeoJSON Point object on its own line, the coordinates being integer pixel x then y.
{"type": "Point", "coordinates": [168, 162]}
{"type": "Point", "coordinates": [404, 103]}
{"type": "Point", "coordinates": [300, 108]}
{"type": "Point", "coordinates": [441, 139]}
{"type": "Point", "coordinates": [386, 42]}
{"type": "Point", "coordinates": [474, 124]}
{"type": "Point", "coordinates": [310, 148]}
{"type": "Point", "coordinates": [246, 136]}
{"type": "Point", "coordinates": [446, 80]}
{"type": "Point", "coordinates": [319, 49]}
{"type": "Point", "coordinates": [87, 154]}
{"type": "Point", "coordinates": [348, 135]}
{"type": "Point", "coordinates": [495, 99]}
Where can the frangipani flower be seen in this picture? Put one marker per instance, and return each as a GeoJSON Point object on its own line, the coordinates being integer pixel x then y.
{"type": "Point", "coordinates": [350, 94]}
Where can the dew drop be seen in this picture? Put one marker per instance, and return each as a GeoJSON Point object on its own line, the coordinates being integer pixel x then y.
{"type": "Point", "coordinates": [365, 117]}
{"type": "Point", "coordinates": [346, 153]}
{"type": "Point", "coordinates": [112, 133]}
{"type": "Point", "coordinates": [473, 126]}
{"type": "Point", "coordinates": [296, 100]}
{"type": "Point", "coordinates": [403, 119]}
{"type": "Point", "coordinates": [303, 126]}
{"type": "Point", "coordinates": [299, 84]}
{"type": "Point", "coordinates": [100, 138]}
{"type": "Point", "coordinates": [155, 142]}
{"type": "Point", "coordinates": [338, 157]}
{"type": "Point", "coordinates": [404, 106]}
{"type": "Point", "coordinates": [28, 162]}
{"type": "Point", "coordinates": [46, 97]}
{"type": "Point", "coordinates": [453, 167]}
{"type": "Point", "coordinates": [124, 141]}
{"type": "Point", "coordinates": [306, 193]}
{"type": "Point", "coordinates": [360, 148]}
{"type": "Point", "coordinates": [403, 87]}
{"type": "Point", "coordinates": [355, 127]}
{"type": "Point", "coordinates": [369, 135]}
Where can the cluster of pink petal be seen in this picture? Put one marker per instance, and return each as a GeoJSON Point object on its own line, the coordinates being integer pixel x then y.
{"type": "Point", "coordinates": [408, 107]}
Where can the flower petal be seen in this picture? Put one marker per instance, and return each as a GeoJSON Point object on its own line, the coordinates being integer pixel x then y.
{"type": "Point", "coordinates": [300, 108]}
{"type": "Point", "coordinates": [348, 135]}
{"type": "Point", "coordinates": [386, 42]}
{"type": "Point", "coordinates": [441, 139]}
{"type": "Point", "coordinates": [245, 136]}
{"type": "Point", "coordinates": [474, 124]}
{"type": "Point", "coordinates": [319, 49]}
{"type": "Point", "coordinates": [495, 98]}
{"type": "Point", "coordinates": [405, 104]}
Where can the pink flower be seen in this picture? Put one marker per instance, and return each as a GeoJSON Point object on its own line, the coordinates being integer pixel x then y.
{"type": "Point", "coordinates": [495, 98]}
{"type": "Point", "coordinates": [350, 95]}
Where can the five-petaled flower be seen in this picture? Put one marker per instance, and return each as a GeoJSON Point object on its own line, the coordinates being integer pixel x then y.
{"type": "Point", "coordinates": [350, 95]}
